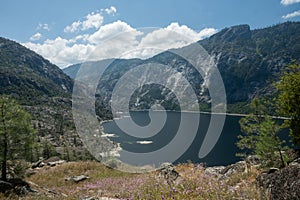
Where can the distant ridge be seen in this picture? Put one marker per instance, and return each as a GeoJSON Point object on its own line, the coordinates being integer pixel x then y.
{"type": "Point", "coordinates": [250, 61]}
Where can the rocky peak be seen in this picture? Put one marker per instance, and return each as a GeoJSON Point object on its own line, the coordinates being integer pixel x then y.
{"type": "Point", "coordinates": [234, 33]}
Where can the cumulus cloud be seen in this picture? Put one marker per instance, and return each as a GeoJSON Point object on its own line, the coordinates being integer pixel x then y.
{"type": "Point", "coordinates": [112, 29]}
{"type": "Point", "coordinates": [291, 15]}
{"type": "Point", "coordinates": [36, 36]}
{"type": "Point", "coordinates": [127, 42]}
{"type": "Point", "coordinates": [111, 11]}
{"type": "Point", "coordinates": [118, 46]}
{"type": "Point", "coordinates": [206, 32]}
{"type": "Point", "coordinates": [174, 36]}
{"type": "Point", "coordinates": [289, 2]}
{"type": "Point", "coordinates": [61, 51]}
{"type": "Point", "coordinates": [92, 20]}
{"type": "Point", "coordinates": [73, 27]}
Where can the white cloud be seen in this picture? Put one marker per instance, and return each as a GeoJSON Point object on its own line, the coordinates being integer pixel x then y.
{"type": "Point", "coordinates": [127, 42]}
{"type": "Point", "coordinates": [43, 27]}
{"type": "Point", "coordinates": [36, 36]}
{"type": "Point", "coordinates": [174, 36]}
{"type": "Point", "coordinates": [73, 27]}
{"type": "Point", "coordinates": [206, 32]}
{"type": "Point", "coordinates": [111, 11]}
{"type": "Point", "coordinates": [112, 29]}
{"type": "Point", "coordinates": [92, 20]}
{"type": "Point", "coordinates": [289, 2]}
{"type": "Point", "coordinates": [61, 51]}
{"type": "Point", "coordinates": [291, 15]}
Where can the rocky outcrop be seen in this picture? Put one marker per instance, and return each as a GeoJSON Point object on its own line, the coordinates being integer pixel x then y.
{"type": "Point", "coordinates": [226, 171]}
{"type": "Point", "coordinates": [168, 172]}
{"type": "Point", "coordinates": [49, 162]}
{"type": "Point", "coordinates": [17, 186]}
{"type": "Point", "coordinates": [281, 184]}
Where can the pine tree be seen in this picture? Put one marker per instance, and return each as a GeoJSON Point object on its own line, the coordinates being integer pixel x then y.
{"type": "Point", "coordinates": [16, 133]}
{"type": "Point", "coordinates": [288, 100]}
{"type": "Point", "coordinates": [260, 136]}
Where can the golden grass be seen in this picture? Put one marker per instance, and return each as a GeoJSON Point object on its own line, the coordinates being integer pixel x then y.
{"type": "Point", "coordinates": [193, 183]}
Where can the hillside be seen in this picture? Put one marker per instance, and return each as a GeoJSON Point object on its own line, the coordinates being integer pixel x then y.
{"type": "Point", "coordinates": [249, 61]}
{"type": "Point", "coordinates": [45, 92]}
{"type": "Point", "coordinates": [28, 76]}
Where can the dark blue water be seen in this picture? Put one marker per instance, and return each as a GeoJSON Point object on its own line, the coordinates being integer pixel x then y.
{"type": "Point", "coordinates": [223, 153]}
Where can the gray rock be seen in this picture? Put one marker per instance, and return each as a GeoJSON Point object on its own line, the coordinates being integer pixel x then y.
{"type": "Point", "coordinates": [282, 184]}
{"type": "Point", "coordinates": [77, 179]}
{"type": "Point", "coordinates": [296, 162]}
{"type": "Point", "coordinates": [90, 198]}
{"type": "Point", "coordinates": [59, 162]}
{"type": "Point", "coordinates": [238, 167]}
{"type": "Point", "coordinates": [52, 159]}
{"type": "Point", "coordinates": [215, 171]}
{"type": "Point", "coordinates": [38, 164]}
{"type": "Point", "coordinates": [167, 171]}
{"type": "Point", "coordinates": [253, 160]}
{"type": "Point", "coordinates": [226, 171]}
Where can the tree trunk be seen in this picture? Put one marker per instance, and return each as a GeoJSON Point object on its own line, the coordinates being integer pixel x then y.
{"type": "Point", "coordinates": [5, 149]}
{"type": "Point", "coordinates": [3, 167]}
{"type": "Point", "coordinates": [281, 157]}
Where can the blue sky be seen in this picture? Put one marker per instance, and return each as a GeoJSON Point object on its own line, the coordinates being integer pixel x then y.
{"type": "Point", "coordinates": [48, 25]}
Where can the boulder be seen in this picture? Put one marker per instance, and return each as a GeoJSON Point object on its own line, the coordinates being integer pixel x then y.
{"type": "Point", "coordinates": [52, 159]}
{"type": "Point", "coordinates": [215, 171]}
{"type": "Point", "coordinates": [280, 184]}
{"type": "Point", "coordinates": [295, 162]}
{"type": "Point", "coordinates": [223, 172]}
{"type": "Point", "coordinates": [253, 160]}
{"type": "Point", "coordinates": [5, 186]}
{"type": "Point", "coordinates": [38, 164]}
{"type": "Point", "coordinates": [59, 162]}
{"type": "Point", "coordinates": [18, 186]}
{"type": "Point", "coordinates": [77, 179]}
{"type": "Point", "coordinates": [167, 171]}
{"type": "Point", "coordinates": [238, 167]}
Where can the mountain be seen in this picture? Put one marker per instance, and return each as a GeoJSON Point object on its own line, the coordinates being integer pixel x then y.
{"type": "Point", "coordinates": [29, 77]}
{"type": "Point", "coordinates": [249, 61]}
{"type": "Point", "coordinates": [44, 90]}
{"type": "Point", "coordinates": [72, 70]}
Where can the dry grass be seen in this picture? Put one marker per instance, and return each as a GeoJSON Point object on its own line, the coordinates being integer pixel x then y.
{"type": "Point", "coordinates": [193, 183]}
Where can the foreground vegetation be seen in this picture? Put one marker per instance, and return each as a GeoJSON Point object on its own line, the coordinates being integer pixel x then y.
{"type": "Point", "coordinates": [194, 183]}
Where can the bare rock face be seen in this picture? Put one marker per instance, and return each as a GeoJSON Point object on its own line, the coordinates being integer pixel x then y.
{"type": "Point", "coordinates": [167, 172]}
{"type": "Point", "coordinates": [281, 184]}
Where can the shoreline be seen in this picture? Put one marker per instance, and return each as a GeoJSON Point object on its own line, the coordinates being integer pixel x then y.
{"type": "Point", "coordinates": [185, 111]}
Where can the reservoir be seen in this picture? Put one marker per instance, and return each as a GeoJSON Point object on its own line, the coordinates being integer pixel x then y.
{"type": "Point", "coordinates": [223, 152]}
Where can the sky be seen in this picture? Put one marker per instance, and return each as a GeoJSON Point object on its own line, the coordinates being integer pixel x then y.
{"type": "Point", "coordinates": [70, 31]}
